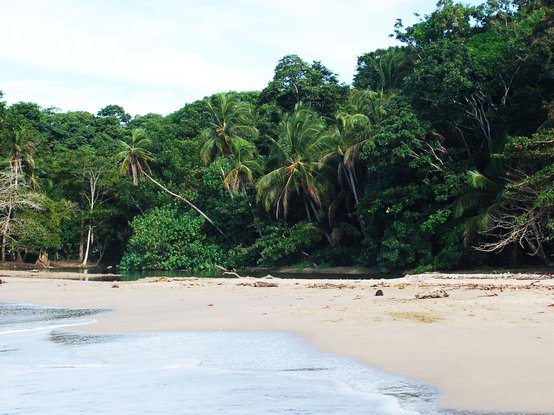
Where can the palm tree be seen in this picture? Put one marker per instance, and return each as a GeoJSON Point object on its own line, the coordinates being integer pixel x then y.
{"type": "Point", "coordinates": [482, 198]}
{"type": "Point", "coordinates": [231, 119]}
{"type": "Point", "coordinates": [244, 167]}
{"type": "Point", "coordinates": [303, 138]}
{"type": "Point", "coordinates": [394, 65]}
{"type": "Point", "coordinates": [134, 157]}
{"type": "Point", "coordinates": [21, 147]}
{"type": "Point", "coordinates": [358, 121]}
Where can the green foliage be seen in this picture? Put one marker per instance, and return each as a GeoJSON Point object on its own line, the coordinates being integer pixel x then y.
{"type": "Point", "coordinates": [384, 69]}
{"type": "Point", "coordinates": [297, 81]}
{"type": "Point", "coordinates": [40, 230]}
{"type": "Point", "coordinates": [296, 157]}
{"type": "Point", "coordinates": [235, 213]}
{"type": "Point", "coordinates": [449, 20]}
{"type": "Point", "coordinates": [166, 238]}
{"type": "Point", "coordinates": [334, 256]}
{"type": "Point", "coordinates": [401, 209]}
{"type": "Point", "coordinates": [231, 121]}
{"type": "Point", "coordinates": [444, 145]}
{"type": "Point", "coordinates": [281, 244]}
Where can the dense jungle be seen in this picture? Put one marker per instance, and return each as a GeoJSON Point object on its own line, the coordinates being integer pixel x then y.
{"type": "Point", "coordinates": [439, 155]}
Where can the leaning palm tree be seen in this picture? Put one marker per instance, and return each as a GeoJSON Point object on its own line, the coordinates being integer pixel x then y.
{"type": "Point", "coordinates": [244, 167]}
{"type": "Point", "coordinates": [230, 119]}
{"type": "Point", "coordinates": [303, 138]}
{"type": "Point", "coordinates": [133, 157]}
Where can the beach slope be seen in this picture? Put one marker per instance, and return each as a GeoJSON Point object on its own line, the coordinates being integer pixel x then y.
{"type": "Point", "coordinates": [487, 346]}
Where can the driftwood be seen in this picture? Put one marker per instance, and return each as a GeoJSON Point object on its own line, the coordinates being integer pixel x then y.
{"type": "Point", "coordinates": [42, 261]}
{"type": "Point", "coordinates": [329, 285]}
{"type": "Point", "coordinates": [259, 284]}
{"type": "Point", "coordinates": [432, 294]}
{"type": "Point", "coordinates": [234, 274]}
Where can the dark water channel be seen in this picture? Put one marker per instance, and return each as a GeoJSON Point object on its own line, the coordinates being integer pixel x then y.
{"type": "Point", "coordinates": [126, 275]}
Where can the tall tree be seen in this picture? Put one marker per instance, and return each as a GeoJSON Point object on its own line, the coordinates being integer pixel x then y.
{"type": "Point", "coordinates": [231, 120]}
{"type": "Point", "coordinates": [14, 196]}
{"type": "Point", "coordinates": [313, 84]}
{"type": "Point", "coordinates": [384, 69]}
{"type": "Point", "coordinates": [303, 139]}
{"type": "Point", "coordinates": [357, 123]}
{"type": "Point", "coordinates": [244, 167]}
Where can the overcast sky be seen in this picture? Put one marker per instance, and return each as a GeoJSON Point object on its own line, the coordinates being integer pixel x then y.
{"type": "Point", "coordinates": [157, 55]}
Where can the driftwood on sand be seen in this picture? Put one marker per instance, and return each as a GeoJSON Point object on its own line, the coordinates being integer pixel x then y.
{"type": "Point", "coordinates": [440, 293]}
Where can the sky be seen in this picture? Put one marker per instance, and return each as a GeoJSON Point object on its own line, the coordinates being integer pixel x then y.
{"type": "Point", "coordinates": [157, 55]}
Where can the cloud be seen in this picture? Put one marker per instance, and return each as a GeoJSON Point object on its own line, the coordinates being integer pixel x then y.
{"type": "Point", "coordinates": [180, 48]}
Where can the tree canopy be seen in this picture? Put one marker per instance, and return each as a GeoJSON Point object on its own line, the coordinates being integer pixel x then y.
{"type": "Point", "coordinates": [438, 156]}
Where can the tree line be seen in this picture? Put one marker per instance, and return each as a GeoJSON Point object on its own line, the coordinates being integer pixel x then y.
{"type": "Point", "coordinates": [440, 155]}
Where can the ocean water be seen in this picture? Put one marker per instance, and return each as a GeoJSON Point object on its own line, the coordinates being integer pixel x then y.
{"type": "Point", "coordinates": [48, 367]}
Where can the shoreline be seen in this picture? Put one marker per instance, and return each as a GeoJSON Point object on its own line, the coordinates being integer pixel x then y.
{"type": "Point", "coordinates": [485, 347]}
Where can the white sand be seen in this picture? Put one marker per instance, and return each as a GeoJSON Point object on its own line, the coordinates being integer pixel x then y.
{"type": "Point", "coordinates": [488, 346]}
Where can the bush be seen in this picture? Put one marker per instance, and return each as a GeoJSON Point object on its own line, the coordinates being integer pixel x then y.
{"type": "Point", "coordinates": [281, 244]}
{"type": "Point", "coordinates": [167, 239]}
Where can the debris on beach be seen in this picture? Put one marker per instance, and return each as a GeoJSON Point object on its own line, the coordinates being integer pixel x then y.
{"type": "Point", "coordinates": [329, 285]}
{"type": "Point", "coordinates": [159, 279]}
{"type": "Point", "coordinates": [258, 284]}
{"type": "Point", "coordinates": [233, 273]}
{"type": "Point", "coordinates": [379, 293]}
{"type": "Point", "coordinates": [432, 294]}
{"type": "Point", "coordinates": [115, 285]}
{"type": "Point", "coordinates": [381, 284]}
{"type": "Point", "coordinates": [2, 282]}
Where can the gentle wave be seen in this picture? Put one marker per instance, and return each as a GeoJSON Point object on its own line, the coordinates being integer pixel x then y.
{"type": "Point", "coordinates": [46, 327]}
{"type": "Point", "coordinates": [49, 370]}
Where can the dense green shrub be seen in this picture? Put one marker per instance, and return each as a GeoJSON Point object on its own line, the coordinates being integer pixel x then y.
{"type": "Point", "coordinates": [280, 243]}
{"type": "Point", "coordinates": [167, 238]}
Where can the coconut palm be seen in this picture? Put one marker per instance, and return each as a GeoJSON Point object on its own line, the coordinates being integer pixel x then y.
{"type": "Point", "coordinates": [134, 157]}
{"type": "Point", "coordinates": [482, 198]}
{"type": "Point", "coordinates": [231, 119]}
{"type": "Point", "coordinates": [303, 138]}
{"type": "Point", "coordinates": [20, 151]}
{"type": "Point", "coordinates": [244, 167]}
{"type": "Point", "coordinates": [357, 123]}
{"type": "Point", "coordinates": [394, 65]}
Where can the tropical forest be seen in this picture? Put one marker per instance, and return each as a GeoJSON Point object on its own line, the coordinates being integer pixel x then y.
{"type": "Point", "coordinates": [439, 155]}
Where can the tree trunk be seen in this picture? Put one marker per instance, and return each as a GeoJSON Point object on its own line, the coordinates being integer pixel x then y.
{"type": "Point", "coordinates": [307, 208]}
{"type": "Point", "coordinates": [89, 235]}
{"type": "Point", "coordinates": [5, 233]}
{"type": "Point", "coordinates": [352, 183]}
{"type": "Point", "coordinates": [81, 243]}
{"type": "Point", "coordinates": [186, 201]}
{"type": "Point", "coordinates": [3, 256]}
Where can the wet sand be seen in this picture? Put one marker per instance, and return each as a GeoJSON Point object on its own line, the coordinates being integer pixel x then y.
{"type": "Point", "coordinates": [487, 346]}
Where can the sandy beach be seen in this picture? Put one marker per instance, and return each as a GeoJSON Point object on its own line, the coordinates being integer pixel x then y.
{"type": "Point", "coordinates": [487, 346]}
